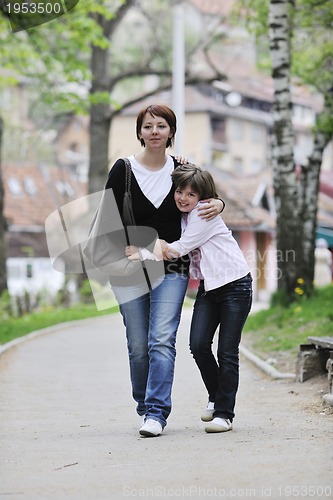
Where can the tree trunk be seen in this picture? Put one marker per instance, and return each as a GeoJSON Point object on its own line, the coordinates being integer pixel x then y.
{"type": "Point", "coordinates": [100, 113]}
{"type": "Point", "coordinates": [309, 196]}
{"type": "Point", "coordinates": [3, 253]}
{"type": "Point", "coordinates": [99, 121]}
{"type": "Point", "coordinates": [285, 184]}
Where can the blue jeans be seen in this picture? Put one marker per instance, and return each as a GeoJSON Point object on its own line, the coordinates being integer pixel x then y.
{"type": "Point", "coordinates": [227, 307]}
{"type": "Point", "coordinates": [151, 322]}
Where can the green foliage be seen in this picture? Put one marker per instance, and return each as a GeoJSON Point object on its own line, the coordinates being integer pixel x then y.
{"type": "Point", "coordinates": [86, 293]}
{"type": "Point", "coordinates": [285, 328]}
{"type": "Point", "coordinates": [56, 53]}
{"type": "Point", "coordinates": [5, 305]}
{"type": "Point", "coordinates": [255, 15]}
{"type": "Point", "coordinates": [280, 299]}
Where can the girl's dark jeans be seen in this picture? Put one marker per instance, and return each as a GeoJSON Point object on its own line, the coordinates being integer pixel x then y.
{"type": "Point", "coordinates": [227, 307]}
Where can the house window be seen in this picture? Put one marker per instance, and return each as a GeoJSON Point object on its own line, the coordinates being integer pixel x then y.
{"type": "Point", "coordinates": [256, 166]}
{"type": "Point", "coordinates": [14, 186]}
{"type": "Point", "coordinates": [256, 134]}
{"type": "Point", "coordinates": [303, 114]}
{"type": "Point", "coordinates": [237, 130]}
{"type": "Point", "coordinates": [30, 186]}
{"type": "Point", "coordinates": [29, 270]}
{"type": "Point", "coordinates": [218, 128]}
{"type": "Point", "coordinates": [64, 188]}
{"type": "Point", "coordinates": [238, 165]}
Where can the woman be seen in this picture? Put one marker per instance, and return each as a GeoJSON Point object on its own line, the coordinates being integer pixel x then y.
{"type": "Point", "coordinates": [152, 318]}
{"type": "Point", "coordinates": [224, 296]}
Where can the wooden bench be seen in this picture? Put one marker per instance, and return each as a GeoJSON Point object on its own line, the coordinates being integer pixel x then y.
{"type": "Point", "coordinates": [315, 358]}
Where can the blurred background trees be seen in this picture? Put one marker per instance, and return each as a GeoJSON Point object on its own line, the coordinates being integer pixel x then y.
{"type": "Point", "coordinates": [105, 56]}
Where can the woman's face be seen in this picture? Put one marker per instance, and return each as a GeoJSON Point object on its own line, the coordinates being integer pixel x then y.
{"type": "Point", "coordinates": [155, 131]}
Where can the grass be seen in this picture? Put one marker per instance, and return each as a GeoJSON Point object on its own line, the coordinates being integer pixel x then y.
{"type": "Point", "coordinates": [12, 328]}
{"type": "Point", "coordinates": [273, 330]}
{"type": "Point", "coordinates": [280, 329]}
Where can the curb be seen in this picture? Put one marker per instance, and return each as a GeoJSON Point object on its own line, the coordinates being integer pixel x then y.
{"type": "Point", "coordinates": [264, 366]}
{"type": "Point", "coordinates": [275, 374]}
{"type": "Point", "coordinates": [258, 362]}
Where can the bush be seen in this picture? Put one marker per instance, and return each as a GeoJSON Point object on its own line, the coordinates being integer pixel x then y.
{"type": "Point", "coordinates": [85, 293]}
{"type": "Point", "coordinates": [279, 299]}
{"type": "Point", "coordinates": [6, 308]}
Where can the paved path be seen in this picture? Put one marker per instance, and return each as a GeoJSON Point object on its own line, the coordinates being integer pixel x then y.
{"type": "Point", "coordinates": [68, 428]}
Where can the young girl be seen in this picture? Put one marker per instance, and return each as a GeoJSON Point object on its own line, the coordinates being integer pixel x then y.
{"type": "Point", "coordinates": [224, 295]}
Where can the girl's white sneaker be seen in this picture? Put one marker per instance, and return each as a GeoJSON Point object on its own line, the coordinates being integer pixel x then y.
{"type": "Point", "coordinates": [219, 425]}
{"type": "Point", "coordinates": [207, 416]}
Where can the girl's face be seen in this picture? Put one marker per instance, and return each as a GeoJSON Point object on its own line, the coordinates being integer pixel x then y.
{"type": "Point", "coordinates": [155, 131]}
{"type": "Point", "coordinates": [186, 199]}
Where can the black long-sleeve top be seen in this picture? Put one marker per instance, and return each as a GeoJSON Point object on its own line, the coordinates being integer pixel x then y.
{"type": "Point", "coordinates": [165, 219]}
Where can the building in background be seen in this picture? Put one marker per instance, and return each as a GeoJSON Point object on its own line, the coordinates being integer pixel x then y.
{"type": "Point", "coordinates": [32, 192]}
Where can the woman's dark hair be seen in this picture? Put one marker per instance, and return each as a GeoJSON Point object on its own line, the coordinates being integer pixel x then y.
{"type": "Point", "coordinates": [157, 110]}
{"type": "Point", "coordinates": [200, 181]}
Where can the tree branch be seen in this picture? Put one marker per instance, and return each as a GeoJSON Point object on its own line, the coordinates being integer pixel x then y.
{"type": "Point", "coordinates": [137, 71]}
{"type": "Point", "coordinates": [111, 24]}
{"type": "Point", "coordinates": [188, 81]}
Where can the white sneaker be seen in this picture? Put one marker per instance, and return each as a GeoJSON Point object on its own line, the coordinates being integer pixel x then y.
{"type": "Point", "coordinates": [219, 425]}
{"type": "Point", "coordinates": [151, 428]}
{"type": "Point", "coordinates": [207, 416]}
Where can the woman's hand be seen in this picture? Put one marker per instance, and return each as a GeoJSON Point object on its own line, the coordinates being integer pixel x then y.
{"type": "Point", "coordinates": [132, 252]}
{"type": "Point", "coordinates": [181, 159]}
{"type": "Point", "coordinates": [208, 209]}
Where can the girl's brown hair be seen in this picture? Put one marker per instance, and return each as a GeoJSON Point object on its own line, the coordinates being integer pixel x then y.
{"type": "Point", "coordinates": [158, 110]}
{"type": "Point", "coordinates": [200, 181]}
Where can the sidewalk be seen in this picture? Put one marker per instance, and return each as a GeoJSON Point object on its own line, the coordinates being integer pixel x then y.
{"type": "Point", "coordinates": [68, 428]}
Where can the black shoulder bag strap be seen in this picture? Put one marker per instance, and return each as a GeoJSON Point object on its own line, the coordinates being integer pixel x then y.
{"type": "Point", "coordinates": [128, 215]}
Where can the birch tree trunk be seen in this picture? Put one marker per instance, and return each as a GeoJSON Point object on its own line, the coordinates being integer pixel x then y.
{"type": "Point", "coordinates": [3, 256]}
{"type": "Point", "coordinates": [288, 232]}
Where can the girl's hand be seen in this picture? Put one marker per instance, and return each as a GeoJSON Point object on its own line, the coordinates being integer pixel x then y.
{"type": "Point", "coordinates": [134, 256]}
{"type": "Point", "coordinates": [158, 248]}
{"type": "Point", "coordinates": [208, 209]}
{"type": "Point", "coordinates": [170, 254]}
{"type": "Point", "coordinates": [163, 252]}
{"type": "Point", "coordinates": [181, 159]}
